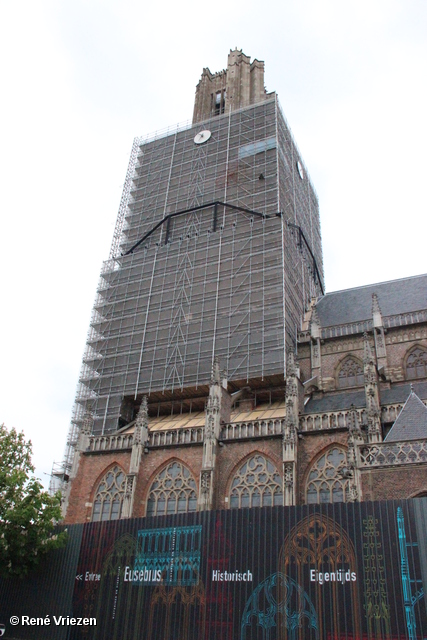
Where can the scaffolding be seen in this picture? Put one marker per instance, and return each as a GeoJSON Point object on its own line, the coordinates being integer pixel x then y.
{"type": "Point", "coordinates": [216, 253]}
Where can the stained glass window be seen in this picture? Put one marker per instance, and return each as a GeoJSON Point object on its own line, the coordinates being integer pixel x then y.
{"type": "Point", "coordinates": [326, 482]}
{"type": "Point", "coordinates": [350, 373]}
{"type": "Point", "coordinates": [173, 491]}
{"type": "Point", "coordinates": [109, 496]}
{"type": "Point", "coordinates": [416, 364]}
{"type": "Point", "coordinates": [256, 484]}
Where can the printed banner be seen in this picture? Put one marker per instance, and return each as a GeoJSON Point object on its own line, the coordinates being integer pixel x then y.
{"type": "Point", "coordinates": [320, 572]}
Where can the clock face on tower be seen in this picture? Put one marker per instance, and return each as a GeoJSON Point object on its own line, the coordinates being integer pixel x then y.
{"type": "Point", "coordinates": [202, 136]}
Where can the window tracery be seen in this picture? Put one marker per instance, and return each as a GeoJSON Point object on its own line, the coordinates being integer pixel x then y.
{"type": "Point", "coordinates": [326, 481]}
{"type": "Point", "coordinates": [416, 363]}
{"type": "Point", "coordinates": [256, 484]}
{"type": "Point", "coordinates": [421, 494]}
{"type": "Point", "coordinates": [173, 491]}
{"type": "Point", "coordinates": [350, 373]}
{"type": "Point", "coordinates": [109, 496]}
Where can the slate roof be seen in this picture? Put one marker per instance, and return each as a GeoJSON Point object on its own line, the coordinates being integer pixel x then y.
{"type": "Point", "coordinates": [400, 393]}
{"type": "Point", "coordinates": [411, 423]}
{"type": "Point", "coordinates": [341, 400]}
{"type": "Point", "coordinates": [335, 402]}
{"type": "Point", "coordinates": [355, 305]}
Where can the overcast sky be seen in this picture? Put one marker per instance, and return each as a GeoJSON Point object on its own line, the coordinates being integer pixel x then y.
{"type": "Point", "coordinates": [81, 79]}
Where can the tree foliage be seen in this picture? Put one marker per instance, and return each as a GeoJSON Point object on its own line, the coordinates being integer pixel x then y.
{"type": "Point", "coordinates": [28, 513]}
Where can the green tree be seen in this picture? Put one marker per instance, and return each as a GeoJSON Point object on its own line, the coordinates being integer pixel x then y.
{"type": "Point", "coordinates": [28, 514]}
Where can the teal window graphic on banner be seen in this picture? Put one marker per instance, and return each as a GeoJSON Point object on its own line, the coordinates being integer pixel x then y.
{"type": "Point", "coordinates": [408, 584]}
{"type": "Point", "coordinates": [279, 594]}
{"type": "Point", "coordinates": [167, 556]}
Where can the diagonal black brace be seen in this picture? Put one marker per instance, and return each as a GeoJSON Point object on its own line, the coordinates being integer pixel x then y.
{"type": "Point", "coordinates": [301, 238]}
{"type": "Point", "coordinates": [215, 204]}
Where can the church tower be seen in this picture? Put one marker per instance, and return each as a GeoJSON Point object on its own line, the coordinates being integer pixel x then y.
{"type": "Point", "coordinates": [238, 86]}
{"type": "Point", "coordinates": [216, 256]}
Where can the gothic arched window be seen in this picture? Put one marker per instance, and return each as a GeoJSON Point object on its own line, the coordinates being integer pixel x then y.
{"type": "Point", "coordinates": [256, 484]}
{"type": "Point", "coordinates": [173, 491]}
{"type": "Point", "coordinates": [109, 495]}
{"type": "Point", "coordinates": [421, 494]}
{"type": "Point", "coordinates": [350, 373]}
{"type": "Point", "coordinates": [416, 363]}
{"type": "Point", "coordinates": [326, 481]}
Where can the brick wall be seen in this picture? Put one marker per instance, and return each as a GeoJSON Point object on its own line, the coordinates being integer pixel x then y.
{"type": "Point", "coordinates": [91, 469]}
{"type": "Point", "coordinates": [399, 342]}
{"type": "Point", "coordinates": [393, 484]}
